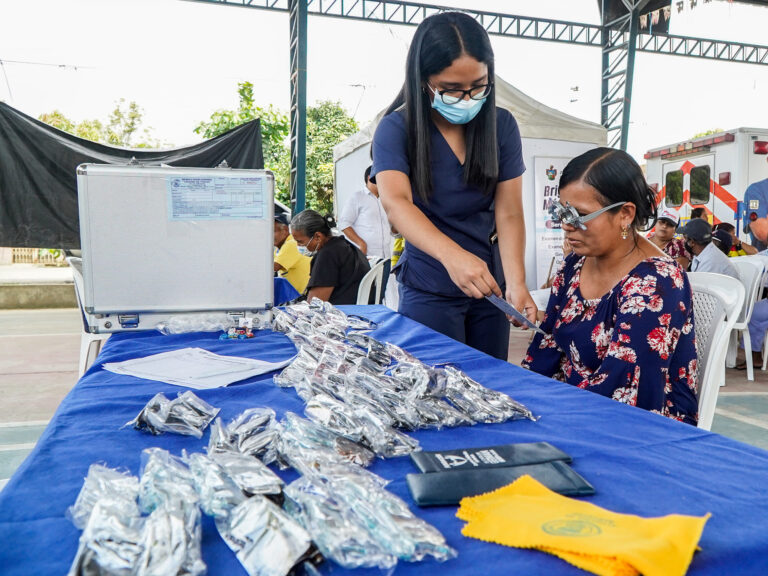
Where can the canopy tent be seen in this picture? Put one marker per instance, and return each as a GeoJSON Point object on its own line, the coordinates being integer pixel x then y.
{"type": "Point", "coordinates": [38, 182]}
{"type": "Point", "coordinates": [547, 134]}
{"type": "Point", "coordinates": [536, 120]}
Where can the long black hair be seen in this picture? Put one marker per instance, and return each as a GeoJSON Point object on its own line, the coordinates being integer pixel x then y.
{"type": "Point", "coordinates": [617, 178]}
{"type": "Point", "coordinates": [439, 40]}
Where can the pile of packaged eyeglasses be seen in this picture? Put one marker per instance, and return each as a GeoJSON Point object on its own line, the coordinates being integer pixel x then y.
{"type": "Point", "coordinates": [336, 509]}
{"type": "Point", "coordinates": [186, 414]}
{"type": "Point", "coordinates": [368, 391]}
{"type": "Point", "coordinates": [360, 395]}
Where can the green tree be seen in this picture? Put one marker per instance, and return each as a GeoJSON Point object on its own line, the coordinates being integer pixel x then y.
{"type": "Point", "coordinates": [327, 125]}
{"type": "Point", "coordinates": [123, 124]}
{"type": "Point", "coordinates": [58, 120]}
{"type": "Point", "coordinates": [275, 127]}
{"type": "Point", "coordinates": [707, 133]}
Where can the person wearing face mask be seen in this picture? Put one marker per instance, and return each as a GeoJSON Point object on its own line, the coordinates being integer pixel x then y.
{"type": "Point", "coordinates": [707, 257]}
{"type": "Point", "coordinates": [337, 265]}
{"type": "Point", "coordinates": [619, 320]}
{"type": "Point", "coordinates": [448, 165]}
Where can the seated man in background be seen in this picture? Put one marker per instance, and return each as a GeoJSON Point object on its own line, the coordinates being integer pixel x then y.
{"type": "Point", "coordinates": [289, 262]}
{"type": "Point", "coordinates": [706, 256]}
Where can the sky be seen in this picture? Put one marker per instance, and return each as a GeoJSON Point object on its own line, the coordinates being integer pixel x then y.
{"type": "Point", "coordinates": [181, 61]}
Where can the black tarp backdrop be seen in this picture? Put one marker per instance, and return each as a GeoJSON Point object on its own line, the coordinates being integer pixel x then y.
{"type": "Point", "coordinates": [38, 183]}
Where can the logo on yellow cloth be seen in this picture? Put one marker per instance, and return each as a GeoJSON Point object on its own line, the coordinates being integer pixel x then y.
{"type": "Point", "coordinates": [571, 527]}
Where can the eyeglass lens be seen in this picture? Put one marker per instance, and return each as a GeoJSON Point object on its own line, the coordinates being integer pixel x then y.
{"type": "Point", "coordinates": [475, 93]}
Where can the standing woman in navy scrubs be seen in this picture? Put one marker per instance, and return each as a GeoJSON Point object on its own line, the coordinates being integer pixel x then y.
{"type": "Point", "coordinates": [449, 167]}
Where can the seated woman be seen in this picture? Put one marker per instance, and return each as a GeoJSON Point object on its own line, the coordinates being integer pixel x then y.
{"type": "Point", "coordinates": [337, 265]}
{"type": "Point", "coordinates": [620, 316]}
{"type": "Point", "coordinates": [664, 237]}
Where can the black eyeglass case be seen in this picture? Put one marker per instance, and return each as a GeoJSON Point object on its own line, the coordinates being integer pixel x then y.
{"type": "Point", "coordinates": [501, 456]}
{"type": "Point", "coordinates": [448, 488]}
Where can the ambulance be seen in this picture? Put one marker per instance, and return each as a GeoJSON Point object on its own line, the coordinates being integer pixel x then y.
{"type": "Point", "coordinates": [711, 172]}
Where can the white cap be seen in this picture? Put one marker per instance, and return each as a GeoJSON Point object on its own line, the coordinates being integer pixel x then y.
{"type": "Point", "coordinates": [669, 214]}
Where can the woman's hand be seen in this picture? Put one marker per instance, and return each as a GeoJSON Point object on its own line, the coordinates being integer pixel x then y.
{"type": "Point", "coordinates": [471, 274]}
{"type": "Point", "coordinates": [520, 298]}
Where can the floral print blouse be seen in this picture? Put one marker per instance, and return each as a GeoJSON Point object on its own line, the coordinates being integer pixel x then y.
{"type": "Point", "coordinates": [635, 344]}
{"type": "Point", "coordinates": [675, 248]}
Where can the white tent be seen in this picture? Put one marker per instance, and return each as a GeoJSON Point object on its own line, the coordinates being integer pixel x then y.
{"type": "Point", "coordinates": [550, 139]}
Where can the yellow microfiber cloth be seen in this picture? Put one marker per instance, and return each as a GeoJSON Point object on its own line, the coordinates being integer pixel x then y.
{"type": "Point", "coordinates": [526, 514]}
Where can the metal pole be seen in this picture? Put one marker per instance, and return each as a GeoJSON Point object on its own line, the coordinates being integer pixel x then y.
{"type": "Point", "coordinates": [298, 28]}
{"type": "Point", "coordinates": [634, 19]}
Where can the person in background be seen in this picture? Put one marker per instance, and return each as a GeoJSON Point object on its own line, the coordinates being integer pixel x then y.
{"type": "Point", "coordinates": [619, 320]}
{"type": "Point", "coordinates": [738, 247]}
{"type": "Point", "coordinates": [758, 325]}
{"type": "Point", "coordinates": [337, 265]}
{"type": "Point", "coordinates": [664, 237]}
{"type": "Point", "coordinates": [756, 215]}
{"type": "Point", "coordinates": [289, 262]}
{"type": "Point", "coordinates": [392, 288]}
{"type": "Point", "coordinates": [706, 256]}
{"type": "Point", "coordinates": [449, 165]}
{"type": "Point", "coordinates": [698, 213]}
{"type": "Point", "coordinates": [364, 222]}
{"type": "Point", "coordinates": [722, 240]}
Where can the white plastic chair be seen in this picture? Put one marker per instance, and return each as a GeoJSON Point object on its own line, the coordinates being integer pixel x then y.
{"type": "Point", "coordinates": [717, 301]}
{"type": "Point", "coordinates": [90, 344]}
{"type": "Point", "coordinates": [541, 298]}
{"type": "Point", "coordinates": [751, 272]}
{"type": "Point", "coordinates": [372, 279]}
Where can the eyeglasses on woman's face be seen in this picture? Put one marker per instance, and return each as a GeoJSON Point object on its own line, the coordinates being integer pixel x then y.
{"type": "Point", "coordinates": [568, 215]}
{"type": "Point", "coordinates": [455, 95]}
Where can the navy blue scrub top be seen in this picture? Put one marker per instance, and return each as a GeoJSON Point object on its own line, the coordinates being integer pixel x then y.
{"type": "Point", "coordinates": [461, 211]}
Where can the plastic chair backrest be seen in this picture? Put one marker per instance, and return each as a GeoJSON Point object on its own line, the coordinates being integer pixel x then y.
{"type": "Point", "coordinates": [373, 278]}
{"type": "Point", "coordinates": [77, 274]}
{"type": "Point", "coordinates": [751, 272]}
{"type": "Point", "coordinates": [717, 301]}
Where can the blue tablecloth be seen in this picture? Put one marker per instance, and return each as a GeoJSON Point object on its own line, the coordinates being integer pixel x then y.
{"type": "Point", "coordinates": [284, 291]}
{"type": "Point", "coordinates": [639, 463]}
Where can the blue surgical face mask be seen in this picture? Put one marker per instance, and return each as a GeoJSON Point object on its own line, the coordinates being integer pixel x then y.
{"type": "Point", "coordinates": [461, 112]}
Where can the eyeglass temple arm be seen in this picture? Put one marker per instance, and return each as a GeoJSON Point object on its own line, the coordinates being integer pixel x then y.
{"type": "Point", "coordinates": [589, 217]}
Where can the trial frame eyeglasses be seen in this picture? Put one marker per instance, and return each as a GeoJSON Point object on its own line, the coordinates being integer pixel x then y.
{"type": "Point", "coordinates": [454, 95]}
{"type": "Point", "coordinates": [569, 215]}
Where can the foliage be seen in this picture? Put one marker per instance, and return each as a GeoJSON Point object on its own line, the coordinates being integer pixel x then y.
{"type": "Point", "coordinates": [327, 125]}
{"type": "Point", "coordinates": [707, 133]}
{"type": "Point", "coordinates": [123, 124]}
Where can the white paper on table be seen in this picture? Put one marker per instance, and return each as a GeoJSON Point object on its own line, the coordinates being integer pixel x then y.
{"type": "Point", "coordinates": [194, 368]}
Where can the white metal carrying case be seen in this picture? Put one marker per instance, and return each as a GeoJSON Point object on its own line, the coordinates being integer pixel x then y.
{"type": "Point", "coordinates": [159, 242]}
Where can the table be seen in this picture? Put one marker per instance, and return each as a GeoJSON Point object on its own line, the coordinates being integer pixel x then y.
{"type": "Point", "coordinates": [639, 463]}
{"type": "Point", "coordinates": [284, 291]}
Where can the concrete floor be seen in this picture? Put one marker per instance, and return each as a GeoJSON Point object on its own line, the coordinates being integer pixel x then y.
{"type": "Point", "coordinates": [39, 352]}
